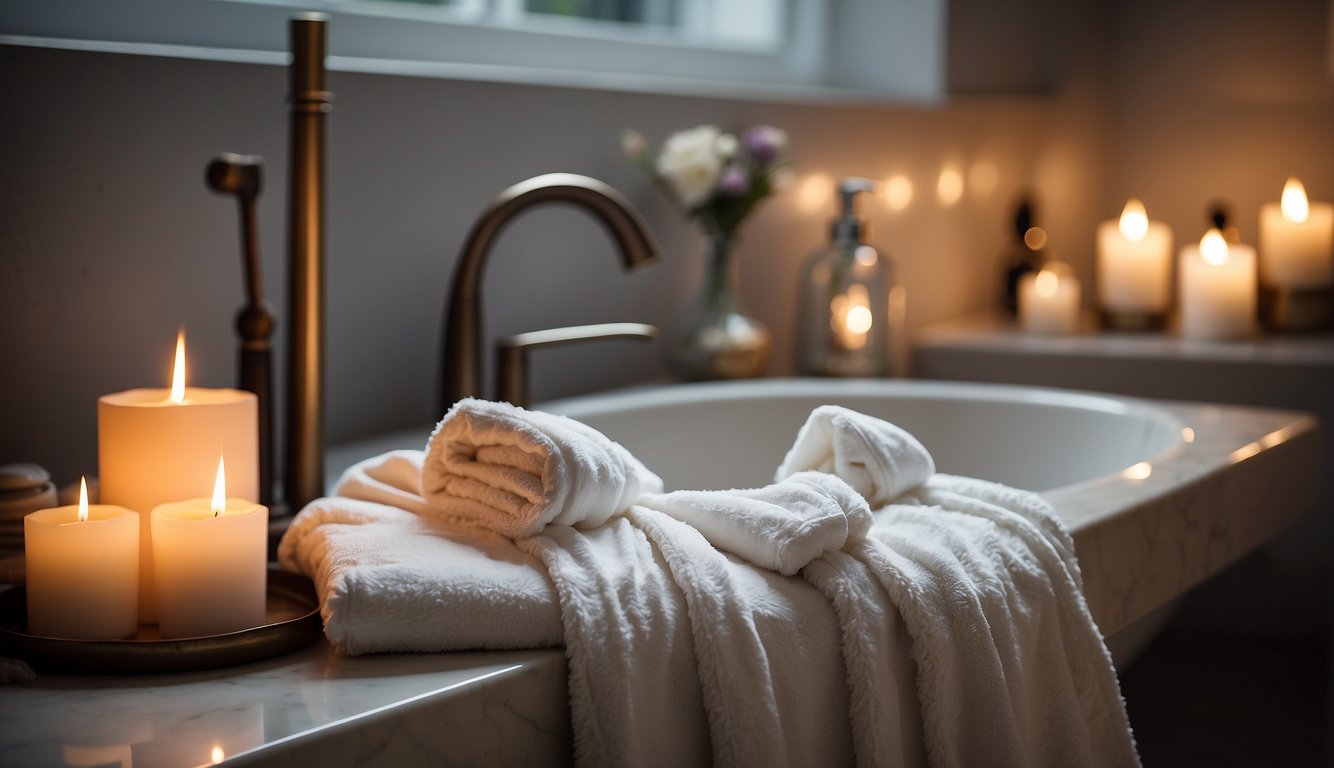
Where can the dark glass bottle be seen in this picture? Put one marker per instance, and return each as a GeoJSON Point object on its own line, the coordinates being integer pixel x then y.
{"type": "Point", "coordinates": [1022, 255]}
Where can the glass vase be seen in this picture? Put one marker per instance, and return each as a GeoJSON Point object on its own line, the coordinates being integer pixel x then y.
{"type": "Point", "coordinates": [714, 338]}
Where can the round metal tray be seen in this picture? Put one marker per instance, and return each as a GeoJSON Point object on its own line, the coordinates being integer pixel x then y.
{"type": "Point", "coordinates": [292, 622]}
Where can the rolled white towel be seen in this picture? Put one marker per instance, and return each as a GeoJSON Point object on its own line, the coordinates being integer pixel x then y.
{"type": "Point", "coordinates": [781, 527]}
{"type": "Point", "coordinates": [515, 471]}
{"type": "Point", "coordinates": [879, 460]}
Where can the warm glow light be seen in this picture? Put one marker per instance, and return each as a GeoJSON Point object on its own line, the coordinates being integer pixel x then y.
{"type": "Point", "coordinates": [859, 319]}
{"type": "Point", "coordinates": [1188, 434]}
{"type": "Point", "coordinates": [1035, 238]}
{"type": "Point", "coordinates": [1213, 248]}
{"type": "Point", "coordinates": [898, 192]}
{"type": "Point", "coordinates": [1140, 471]}
{"type": "Point", "coordinates": [178, 373]}
{"type": "Point", "coordinates": [217, 755]}
{"type": "Point", "coordinates": [220, 491]}
{"type": "Point", "coordinates": [83, 499]}
{"type": "Point", "coordinates": [866, 256]}
{"type": "Point", "coordinates": [1134, 222]}
{"type": "Point", "coordinates": [1045, 283]}
{"type": "Point", "coordinates": [949, 187]}
{"type": "Point", "coordinates": [850, 316]}
{"type": "Point", "coordinates": [813, 192]}
{"type": "Point", "coordinates": [1294, 204]}
{"type": "Point", "coordinates": [1245, 452]}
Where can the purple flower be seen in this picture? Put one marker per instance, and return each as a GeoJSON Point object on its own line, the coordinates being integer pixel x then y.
{"type": "Point", "coordinates": [735, 181]}
{"type": "Point", "coordinates": [763, 143]}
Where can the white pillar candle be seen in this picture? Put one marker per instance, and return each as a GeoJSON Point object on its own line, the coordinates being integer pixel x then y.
{"type": "Point", "coordinates": [210, 557]}
{"type": "Point", "coordinates": [159, 445]}
{"type": "Point", "coordinates": [1049, 300]}
{"type": "Point", "coordinates": [82, 571]}
{"type": "Point", "coordinates": [1296, 241]}
{"type": "Point", "coordinates": [1218, 289]}
{"type": "Point", "coordinates": [1134, 263]}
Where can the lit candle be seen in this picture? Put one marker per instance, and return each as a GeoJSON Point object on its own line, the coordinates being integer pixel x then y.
{"type": "Point", "coordinates": [1218, 289]}
{"type": "Point", "coordinates": [82, 570]}
{"type": "Point", "coordinates": [1134, 263]}
{"type": "Point", "coordinates": [159, 445]}
{"type": "Point", "coordinates": [850, 317]}
{"type": "Point", "coordinates": [1296, 241]}
{"type": "Point", "coordinates": [210, 558]}
{"type": "Point", "coordinates": [1049, 300]}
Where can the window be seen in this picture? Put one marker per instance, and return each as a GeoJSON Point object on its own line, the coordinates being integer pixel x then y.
{"type": "Point", "coordinates": [722, 47]}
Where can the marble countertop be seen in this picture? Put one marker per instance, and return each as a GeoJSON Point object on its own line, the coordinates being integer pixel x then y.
{"type": "Point", "coordinates": [313, 707]}
{"type": "Point", "coordinates": [1142, 538]}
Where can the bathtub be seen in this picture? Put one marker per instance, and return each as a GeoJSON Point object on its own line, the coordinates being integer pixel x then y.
{"type": "Point", "coordinates": [1158, 495]}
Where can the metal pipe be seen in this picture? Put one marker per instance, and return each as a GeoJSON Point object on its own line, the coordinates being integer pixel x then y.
{"type": "Point", "coordinates": [241, 175]}
{"type": "Point", "coordinates": [462, 359]}
{"type": "Point", "coordinates": [303, 475]}
{"type": "Point", "coordinates": [512, 352]}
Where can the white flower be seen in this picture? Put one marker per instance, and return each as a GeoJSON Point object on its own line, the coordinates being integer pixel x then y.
{"type": "Point", "coordinates": [726, 146]}
{"type": "Point", "coordinates": [691, 164]}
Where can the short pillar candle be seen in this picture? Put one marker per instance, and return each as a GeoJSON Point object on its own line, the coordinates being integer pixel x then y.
{"type": "Point", "coordinates": [1218, 290]}
{"type": "Point", "coordinates": [1049, 300]}
{"type": "Point", "coordinates": [82, 566]}
{"type": "Point", "coordinates": [210, 558]}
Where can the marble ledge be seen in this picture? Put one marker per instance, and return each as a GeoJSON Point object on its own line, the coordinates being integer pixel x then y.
{"type": "Point", "coordinates": [313, 707]}
{"type": "Point", "coordinates": [1245, 475]}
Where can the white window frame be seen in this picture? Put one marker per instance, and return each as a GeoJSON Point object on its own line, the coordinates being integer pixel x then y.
{"type": "Point", "coordinates": [809, 62]}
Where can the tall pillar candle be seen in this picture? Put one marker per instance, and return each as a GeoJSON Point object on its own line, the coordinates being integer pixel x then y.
{"type": "Point", "coordinates": [1296, 241]}
{"type": "Point", "coordinates": [82, 566]}
{"type": "Point", "coordinates": [1218, 289]}
{"type": "Point", "coordinates": [1134, 264]}
{"type": "Point", "coordinates": [160, 445]}
{"type": "Point", "coordinates": [210, 557]}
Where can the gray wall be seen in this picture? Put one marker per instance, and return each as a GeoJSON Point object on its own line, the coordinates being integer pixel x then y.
{"type": "Point", "coordinates": [109, 240]}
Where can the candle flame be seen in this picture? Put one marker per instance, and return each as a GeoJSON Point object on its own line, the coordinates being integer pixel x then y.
{"type": "Point", "coordinates": [178, 373]}
{"type": "Point", "coordinates": [220, 491]}
{"type": "Point", "coordinates": [1294, 204]}
{"type": "Point", "coordinates": [1213, 248]}
{"type": "Point", "coordinates": [1134, 222]}
{"type": "Point", "coordinates": [217, 755]}
{"type": "Point", "coordinates": [1045, 283]}
{"type": "Point", "coordinates": [83, 500]}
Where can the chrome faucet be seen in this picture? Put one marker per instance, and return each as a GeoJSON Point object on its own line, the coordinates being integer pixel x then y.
{"type": "Point", "coordinates": [463, 362]}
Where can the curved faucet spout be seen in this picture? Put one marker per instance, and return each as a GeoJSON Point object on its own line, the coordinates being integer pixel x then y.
{"type": "Point", "coordinates": [462, 363]}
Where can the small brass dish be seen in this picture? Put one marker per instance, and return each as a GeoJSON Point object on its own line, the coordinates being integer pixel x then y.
{"type": "Point", "coordinates": [292, 622]}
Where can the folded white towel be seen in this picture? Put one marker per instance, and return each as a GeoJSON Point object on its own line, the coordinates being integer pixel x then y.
{"type": "Point", "coordinates": [390, 580]}
{"type": "Point", "coordinates": [781, 527]}
{"type": "Point", "coordinates": [515, 471]}
{"type": "Point", "coordinates": [878, 459]}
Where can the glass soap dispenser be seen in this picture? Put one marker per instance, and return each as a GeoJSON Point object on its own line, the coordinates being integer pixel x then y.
{"type": "Point", "coordinates": [850, 304]}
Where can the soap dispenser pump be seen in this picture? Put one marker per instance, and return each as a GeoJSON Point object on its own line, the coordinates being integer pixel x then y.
{"type": "Point", "coordinates": [850, 303]}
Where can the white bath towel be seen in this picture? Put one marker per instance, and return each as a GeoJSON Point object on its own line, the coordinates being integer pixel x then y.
{"type": "Point", "coordinates": [515, 471]}
{"type": "Point", "coordinates": [392, 580]}
{"type": "Point", "coordinates": [781, 527]}
{"type": "Point", "coordinates": [984, 603]}
{"type": "Point", "coordinates": [880, 460]}
{"type": "Point", "coordinates": [681, 655]}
